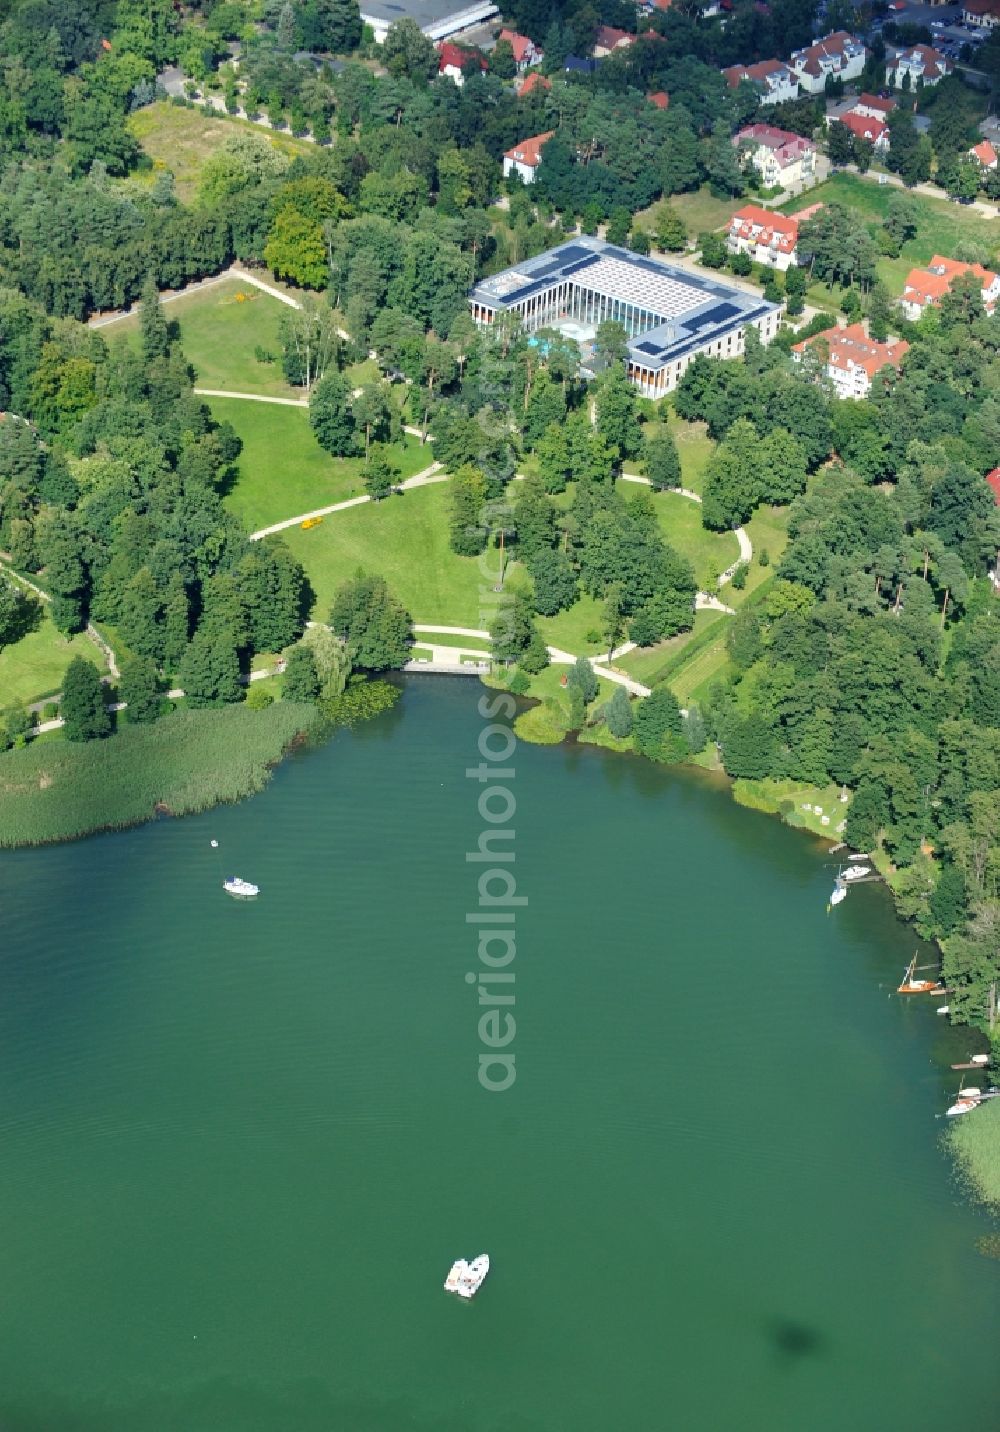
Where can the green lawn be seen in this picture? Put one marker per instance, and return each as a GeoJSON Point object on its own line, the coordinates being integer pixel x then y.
{"type": "Point", "coordinates": [181, 140]}
{"type": "Point", "coordinates": [709, 553]}
{"type": "Point", "coordinates": [796, 802]}
{"type": "Point", "coordinates": [691, 677]}
{"type": "Point", "coordinates": [940, 225]}
{"type": "Point", "coordinates": [694, 447]}
{"type": "Point", "coordinates": [700, 211]}
{"type": "Point", "coordinates": [650, 664]}
{"type": "Point", "coordinates": [220, 329]}
{"type": "Point", "coordinates": [405, 538]}
{"type": "Point", "coordinates": [569, 629]}
{"type": "Point", "coordinates": [34, 667]}
{"type": "Point", "coordinates": [283, 470]}
{"type": "Point", "coordinates": [768, 532]}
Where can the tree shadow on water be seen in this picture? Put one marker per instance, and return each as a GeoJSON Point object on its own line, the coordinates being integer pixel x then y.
{"type": "Point", "coordinates": [793, 1340]}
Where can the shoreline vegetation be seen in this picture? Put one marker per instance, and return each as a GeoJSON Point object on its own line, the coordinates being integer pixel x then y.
{"type": "Point", "coordinates": [182, 764]}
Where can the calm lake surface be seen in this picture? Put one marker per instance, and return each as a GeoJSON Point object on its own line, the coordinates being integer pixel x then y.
{"type": "Point", "coordinates": [242, 1143]}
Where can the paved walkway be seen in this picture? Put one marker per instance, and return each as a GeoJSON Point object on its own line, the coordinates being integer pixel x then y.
{"type": "Point", "coordinates": [90, 631]}
{"type": "Point", "coordinates": [746, 546]}
{"type": "Point", "coordinates": [556, 655]}
{"type": "Point", "coordinates": [251, 397]}
{"type": "Point", "coordinates": [421, 479]}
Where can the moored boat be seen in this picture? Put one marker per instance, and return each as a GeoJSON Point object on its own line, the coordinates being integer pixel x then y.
{"type": "Point", "coordinates": [965, 1100]}
{"type": "Point", "coordinates": [975, 1061]}
{"type": "Point", "coordinates": [241, 889]}
{"type": "Point", "coordinates": [911, 985]}
{"type": "Point", "coordinates": [839, 893]}
{"type": "Point", "coordinates": [466, 1279]}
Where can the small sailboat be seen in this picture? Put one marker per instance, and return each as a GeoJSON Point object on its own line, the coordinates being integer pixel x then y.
{"type": "Point", "coordinates": [965, 1100]}
{"type": "Point", "coordinates": [839, 893]}
{"type": "Point", "coordinates": [911, 985]}
{"type": "Point", "coordinates": [240, 889]}
{"type": "Point", "coordinates": [466, 1279]}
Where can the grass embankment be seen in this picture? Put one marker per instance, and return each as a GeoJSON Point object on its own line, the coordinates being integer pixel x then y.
{"type": "Point", "coordinates": [183, 140]}
{"type": "Point", "coordinates": [221, 327]}
{"type": "Point", "coordinates": [796, 803]}
{"type": "Point", "coordinates": [974, 1141]}
{"type": "Point", "coordinates": [283, 470]}
{"type": "Point", "coordinates": [940, 226]}
{"type": "Point", "coordinates": [185, 762]}
{"type": "Point", "coordinates": [693, 661]}
{"type": "Point", "coordinates": [34, 667]}
{"type": "Point", "coordinates": [404, 539]}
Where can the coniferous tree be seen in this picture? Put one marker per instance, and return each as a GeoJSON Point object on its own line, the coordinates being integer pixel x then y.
{"type": "Point", "coordinates": [153, 330]}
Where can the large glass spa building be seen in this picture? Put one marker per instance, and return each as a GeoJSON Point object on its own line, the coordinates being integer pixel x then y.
{"type": "Point", "coordinates": [669, 313]}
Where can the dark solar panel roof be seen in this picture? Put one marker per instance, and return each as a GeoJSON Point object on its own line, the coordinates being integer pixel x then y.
{"type": "Point", "coordinates": [711, 317]}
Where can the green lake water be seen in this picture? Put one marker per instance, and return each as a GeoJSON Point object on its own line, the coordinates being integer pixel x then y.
{"type": "Point", "coordinates": [242, 1143]}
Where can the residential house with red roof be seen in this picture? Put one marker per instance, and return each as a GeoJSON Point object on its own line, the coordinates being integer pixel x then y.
{"type": "Point", "coordinates": [984, 154]}
{"type": "Point", "coordinates": [609, 39]}
{"type": "Point", "coordinates": [530, 83]}
{"type": "Point", "coordinates": [924, 288]}
{"type": "Point", "coordinates": [781, 158]}
{"type": "Point", "coordinates": [873, 106]}
{"type": "Point", "coordinates": [526, 52]}
{"type": "Point", "coordinates": [769, 238]}
{"type": "Point", "coordinates": [852, 358]}
{"type": "Point", "coordinates": [773, 78]}
{"type": "Point", "coordinates": [451, 58]}
{"type": "Point", "coordinates": [923, 64]}
{"type": "Point", "coordinates": [839, 56]}
{"type": "Point", "coordinates": [525, 157]}
{"type": "Point", "coordinates": [984, 14]}
{"type": "Point", "coordinates": [862, 126]}
{"type": "Point", "coordinates": [660, 99]}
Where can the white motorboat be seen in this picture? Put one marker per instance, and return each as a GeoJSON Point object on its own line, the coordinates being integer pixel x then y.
{"type": "Point", "coordinates": [856, 872]}
{"type": "Point", "coordinates": [241, 889]}
{"type": "Point", "coordinates": [466, 1279]}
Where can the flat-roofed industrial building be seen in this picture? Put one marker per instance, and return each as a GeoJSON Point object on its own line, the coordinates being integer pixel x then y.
{"type": "Point", "coordinates": [670, 314]}
{"type": "Point", "coordinates": [439, 19]}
